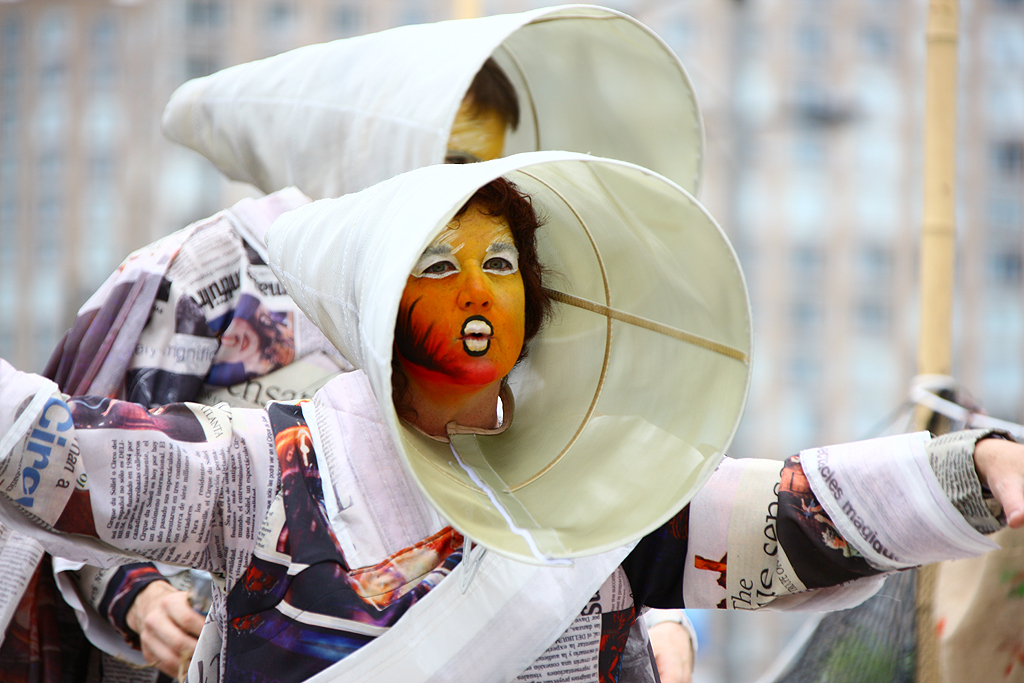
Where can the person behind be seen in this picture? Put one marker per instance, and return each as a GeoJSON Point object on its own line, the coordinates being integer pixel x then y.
{"type": "Point", "coordinates": [471, 305]}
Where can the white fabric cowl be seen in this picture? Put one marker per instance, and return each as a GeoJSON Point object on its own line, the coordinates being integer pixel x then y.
{"type": "Point", "coordinates": [337, 117]}
{"type": "Point", "coordinates": [627, 399]}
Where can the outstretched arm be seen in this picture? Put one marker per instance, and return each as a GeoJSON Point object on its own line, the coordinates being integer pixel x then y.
{"type": "Point", "coordinates": [800, 537]}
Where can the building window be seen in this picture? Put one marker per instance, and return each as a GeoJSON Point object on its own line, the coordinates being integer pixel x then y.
{"type": "Point", "coordinates": [1008, 159]}
{"type": "Point", "coordinates": [808, 148]}
{"type": "Point", "coordinates": [808, 264]}
{"type": "Point", "coordinates": [347, 20]}
{"type": "Point", "coordinates": [875, 42]}
{"type": "Point", "coordinates": [280, 16]}
{"type": "Point", "coordinates": [872, 317]}
{"type": "Point", "coordinates": [48, 230]}
{"type": "Point", "coordinates": [816, 107]}
{"type": "Point", "coordinates": [53, 37]}
{"type": "Point", "coordinates": [874, 265]}
{"type": "Point", "coordinates": [805, 315]}
{"type": "Point", "coordinates": [1005, 268]}
{"type": "Point", "coordinates": [10, 33]}
{"type": "Point", "coordinates": [197, 66]}
{"type": "Point", "coordinates": [101, 168]}
{"type": "Point", "coordinates": [204, 13]}
{"type": "Point", "coordinates": [1004, 43]}
{"type": "Point", "coordinates": [413, 14]}
{"type": "Point", "coordinates": [804, 370]}
{"type": "Point", "coordinates": [1005, 214]}
{"type": "Point", "coordinates": [8, 226]}
{"type": "Point", "coordinates": [679, 32]}
{"type": "Point", "coordinates": [104, 52]}
{"type": "Point", "coordinates": [53, 76]}
{"type": "Point", "coordinates": [811, 41]}
{"type": "Point", "coordinates": [51, 171]}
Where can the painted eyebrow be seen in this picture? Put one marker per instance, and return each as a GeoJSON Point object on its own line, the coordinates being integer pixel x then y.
{"type": "Point", "coordinates": [502, 248]}
{"type": "Point", "coordinates": [437, 250]}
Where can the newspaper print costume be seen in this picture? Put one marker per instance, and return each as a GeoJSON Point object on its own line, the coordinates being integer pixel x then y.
{"type": "Point", "coordinates": [331, 555]}
{"type": "Point", "coordinates": [342, 133]}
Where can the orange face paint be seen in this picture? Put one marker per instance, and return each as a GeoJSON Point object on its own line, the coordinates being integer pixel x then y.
{"type": "Point", "coordinates": [461, 317]}
{"type": "Point", "coordinates": [476, 135]}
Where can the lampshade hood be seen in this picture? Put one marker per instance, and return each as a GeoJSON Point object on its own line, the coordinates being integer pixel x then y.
{"type": "Point", "coordinates": [337, 117]}
{"type": "Point", "coordinates": [628, 397]}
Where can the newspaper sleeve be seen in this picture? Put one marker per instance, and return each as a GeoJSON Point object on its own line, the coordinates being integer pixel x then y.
{"type": "Point", "coordinates": [192, 504]}
{"type": "Point", "coordinates": [883, 497]}
{"type": "Point", "coordinates": [733, 537]}
{"type": "Point", "coordinates": [39, 460]}
{"type": "Point", "coordinates": [40, 465]}
{"type": "Point", "coordinates": [734, 559]}
{"type": "Point", "coordinates": [758, 568]}
{"type": "Point", "coordinates": [193, 501]}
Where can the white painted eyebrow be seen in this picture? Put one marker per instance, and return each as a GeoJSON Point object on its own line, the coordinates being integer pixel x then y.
{"type": "Point", "coordinates": [437, 250]}
{"type": "Point", "coordinates": [503, 248]}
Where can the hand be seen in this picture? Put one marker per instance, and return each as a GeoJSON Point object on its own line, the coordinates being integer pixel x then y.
{"type": "Point", "coordinates": [1000, 466]}
{"type": "Point", "coordinates": [673, 652]}
{"type": "Point", "coordinates": [167, 625]}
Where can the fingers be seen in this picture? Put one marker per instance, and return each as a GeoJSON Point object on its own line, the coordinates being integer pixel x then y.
{"type": "Point", "coordinates": [167, 626]}
{"type": "Point", "coordinates": [160, 655]}
{"type": "Point", "coordinates": [1000, 465]}
{"type": "Point", "coordinates": [1012, 499]}
{"type": "Point", "coordinates": [673, 652]}
{"type": "Point", "coordinates": [185, 618]}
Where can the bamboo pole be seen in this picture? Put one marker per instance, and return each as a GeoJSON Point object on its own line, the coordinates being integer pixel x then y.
{"type": "Point", "coordinates": [938, 259]}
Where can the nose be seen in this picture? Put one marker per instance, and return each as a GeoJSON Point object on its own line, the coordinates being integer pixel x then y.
{"type": "Point", "coordinates": [476, 292]}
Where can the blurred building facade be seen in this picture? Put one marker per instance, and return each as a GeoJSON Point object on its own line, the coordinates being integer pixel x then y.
{"type": "Point", "coordinates": [813, 111]}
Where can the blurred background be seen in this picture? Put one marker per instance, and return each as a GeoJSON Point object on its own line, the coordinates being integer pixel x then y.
{"type": "Point", "coordinates": [814, 114]}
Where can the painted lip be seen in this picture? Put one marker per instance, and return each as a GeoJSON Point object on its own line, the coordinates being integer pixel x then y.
{"type": "Point", "coordinates": [476, 335]}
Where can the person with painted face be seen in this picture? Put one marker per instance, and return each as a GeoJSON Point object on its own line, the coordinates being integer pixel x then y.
{"type": "Point", "coordinates": [355, 553]}
{"type": "Point", "coordinates": [472, 303]}
{"type": "Point", "coordinates": [345, 128]}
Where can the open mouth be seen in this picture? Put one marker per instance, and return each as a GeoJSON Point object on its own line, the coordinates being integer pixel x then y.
{"type": "Point", "coordinates": [476, 335]}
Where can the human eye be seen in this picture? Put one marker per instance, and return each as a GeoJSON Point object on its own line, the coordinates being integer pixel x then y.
{"type": "Point", "coordinates": [439, 268]}
{"type": "Point", "coordinates": [498, 264]}
{"type": "Point", "coordinates": [436, 265]}
{"type": "Point", "coordinates": [502, 259]}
